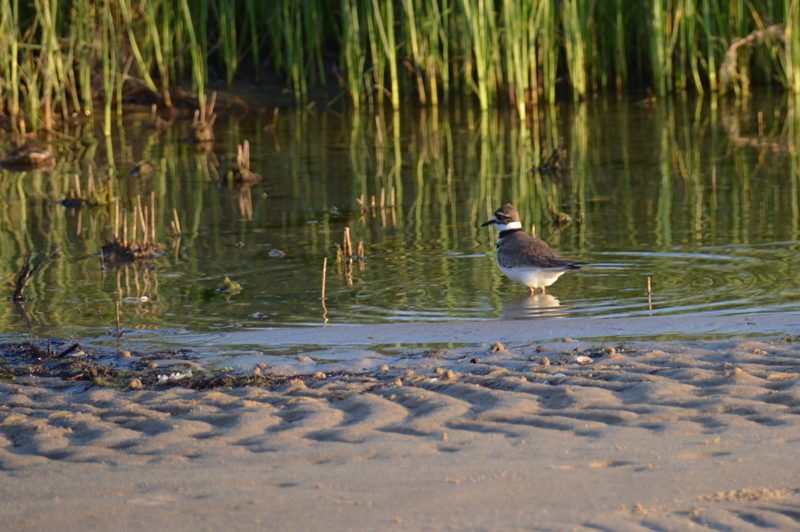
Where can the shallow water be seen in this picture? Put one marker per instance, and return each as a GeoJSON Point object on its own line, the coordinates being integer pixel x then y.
{"type": "Point", "coordinates": [701, 196]}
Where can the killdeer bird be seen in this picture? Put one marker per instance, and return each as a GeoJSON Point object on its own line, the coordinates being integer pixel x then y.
{"type": "Point", "coordinates": [523, 258]}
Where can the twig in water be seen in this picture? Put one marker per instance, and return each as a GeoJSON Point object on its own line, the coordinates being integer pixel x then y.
{"type": "Point", "coordinates": [649, 295]}
{"type": "Point", "coordinates": [118, 318]}
{"type": "Point", "coordinates": [24, 314]}
{"type": "Point", "coordinates": [152, 217]}
{"type": "Point", "coordinates": [26, 272]}
{"type": "Point", "coordinates": [68, 350]}
{"type": "Point", "coordinates": [324, 272]}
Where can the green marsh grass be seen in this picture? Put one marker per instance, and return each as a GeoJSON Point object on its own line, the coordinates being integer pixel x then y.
{"type": "Point", "coordinates": [61, 58]}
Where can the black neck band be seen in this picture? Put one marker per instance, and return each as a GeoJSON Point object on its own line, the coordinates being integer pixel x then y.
{"type": "Point", "coordinates": [508, 232]}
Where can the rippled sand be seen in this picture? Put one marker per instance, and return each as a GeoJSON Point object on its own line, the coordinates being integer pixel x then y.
{"type": "Point", "coordinates": [648, 436]}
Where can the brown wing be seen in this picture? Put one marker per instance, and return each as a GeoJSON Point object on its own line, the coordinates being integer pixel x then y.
{"type": "Point", "coordinates": [534, 252]}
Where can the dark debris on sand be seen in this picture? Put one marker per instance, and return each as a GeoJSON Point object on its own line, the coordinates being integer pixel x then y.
{"type": "Point", "coordinates": [28, 363]}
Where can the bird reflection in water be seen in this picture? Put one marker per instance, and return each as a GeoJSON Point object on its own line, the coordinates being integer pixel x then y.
{"type": "Point", "coordinates": [538, 306]}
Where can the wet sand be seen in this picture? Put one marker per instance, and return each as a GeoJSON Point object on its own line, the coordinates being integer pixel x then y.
{"type": "Point", "coordinates": [544, 435]}
{"type": "Point", "coordinates": [496, 330]}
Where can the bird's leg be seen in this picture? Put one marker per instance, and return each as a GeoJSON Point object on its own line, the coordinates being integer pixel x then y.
{"type": "Point", "coordinates": [531, 291]}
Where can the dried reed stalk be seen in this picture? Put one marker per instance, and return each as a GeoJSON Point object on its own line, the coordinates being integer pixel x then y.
{"type": "Point", "coordinates": [324, 273]}
{"type": "Point", "coordinates": [347, 245]}
{"type": "Point", "coordinates": [176, 223]}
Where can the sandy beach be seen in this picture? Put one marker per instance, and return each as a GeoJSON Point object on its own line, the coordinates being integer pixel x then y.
{"type": "Point", "coordinates": [557, 435]}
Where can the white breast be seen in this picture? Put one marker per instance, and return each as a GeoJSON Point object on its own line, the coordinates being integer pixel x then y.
{"type": "Point", "coordinates": [531, 276]}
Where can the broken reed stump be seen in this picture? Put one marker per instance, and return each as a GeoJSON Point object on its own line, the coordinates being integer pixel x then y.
{"type": "Point", "coordinates": [26, 271]}
{"type": "Point", "coordinates": [344, 251]}
{"type": "Point", "coordinates": [122, 250]}
{"type": "Point", "coordinates": [203, 122]}
{"type": "Point", "coordinates": [345, 256]}
{"type": "Point", "coordinates": [347, 245]}
{"type": "Point", "coordinates": [241, 173]}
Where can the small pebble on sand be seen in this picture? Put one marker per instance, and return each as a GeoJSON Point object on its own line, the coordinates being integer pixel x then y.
{"type": "Point", "coordinates": [125, 354]}
{"type": "Point", "coordinates": [303, 358]}
{"type": "Point", "coordinates": [449, 375]}
{"type": "Point", "coordinates": [383, 367]}
{"type": "Point", "coordinates": [498, 347]}
{"type": "Point", "coordinates": [319, 375]}
{"type": "Point", "coordinates": [398, 382]}
{"type": "Point", "coordinates": [134, 384]}
{"type": "Point", "coordinates": [438, 371]}
{"type": "Point", "coordinates": [544, 361]}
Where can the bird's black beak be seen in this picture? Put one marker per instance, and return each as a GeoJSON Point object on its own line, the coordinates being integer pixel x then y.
{"type": "Point", "coordinates": [490, 222]}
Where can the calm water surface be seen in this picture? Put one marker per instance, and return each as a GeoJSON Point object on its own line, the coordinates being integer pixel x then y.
{"type": "Point", "coordinates": [700, 196]}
